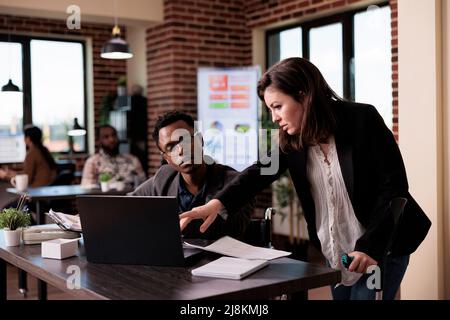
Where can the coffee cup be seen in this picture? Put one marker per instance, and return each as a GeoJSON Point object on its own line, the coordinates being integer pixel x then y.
{"type": "Point", "coordinates": [20, 182]}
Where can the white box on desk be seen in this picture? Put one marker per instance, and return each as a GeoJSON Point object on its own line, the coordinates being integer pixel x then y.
{"type": "Point", "coordinates": [59, 248]}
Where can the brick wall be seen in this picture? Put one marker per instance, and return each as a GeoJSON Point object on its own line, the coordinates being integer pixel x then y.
{"type": "Point", "coordinates": [394, 50]}
{"type": "Point", "coordinates": [194, 34]}
{"type": "Point", "coordinates": [105, 72]}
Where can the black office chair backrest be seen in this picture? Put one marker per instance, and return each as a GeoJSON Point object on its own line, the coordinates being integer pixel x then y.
{"type": "Point", "coordinates": [259, 231]}
{"type": "Point", "coordinates": [397, 207]}
{"type": "Point", "coordinates": [65, 165]}
{"type": "Point", "coordinates": [63, 178]}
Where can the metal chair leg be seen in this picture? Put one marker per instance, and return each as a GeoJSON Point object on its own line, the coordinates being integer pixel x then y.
{"type": "Point", "coordinates": [3, 280]}
{"type": "Point", "coordinates": [23, 288]}
{"type": "Point", "coordinates": [42, 290]}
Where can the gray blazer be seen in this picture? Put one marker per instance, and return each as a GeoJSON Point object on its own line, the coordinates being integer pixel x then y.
{"type": "Point", "coordinates": [165, 182]}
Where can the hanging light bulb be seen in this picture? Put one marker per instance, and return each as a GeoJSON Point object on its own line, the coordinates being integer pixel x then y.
{"type": "Point", "coordinates": [10, 88]}
{"type": "Point", "coordinates": [76, 130]}
{"type": "Point", "coordinates": [116, 47]}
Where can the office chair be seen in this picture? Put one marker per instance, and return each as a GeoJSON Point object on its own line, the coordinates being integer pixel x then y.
{"type": "Point", "coordinates": [397, 207]}
{"type": "Point", "coordinates": [259, 231]}
{"type": "Point", "coordinates": [64, 178]}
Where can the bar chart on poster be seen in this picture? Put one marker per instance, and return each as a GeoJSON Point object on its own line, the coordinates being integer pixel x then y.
{"type": "Point", "coordinates": [228, 114]}
{"type": "Point", "coordinates": [12, 149]}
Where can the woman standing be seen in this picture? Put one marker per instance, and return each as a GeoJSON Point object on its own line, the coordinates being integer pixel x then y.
{"type": "Point", "coordinates": [346, 168]}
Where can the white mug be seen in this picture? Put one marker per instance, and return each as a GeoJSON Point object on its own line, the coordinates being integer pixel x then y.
{"type": "Point", "coordinates": [20, 182]}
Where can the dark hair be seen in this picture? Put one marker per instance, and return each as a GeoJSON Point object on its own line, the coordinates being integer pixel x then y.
{"type": "Point", "coordinates": [300, 79]}
{"type": "Point", "coordinates": [35, 135]}
{"type": "Point", "coordinates": [104, 126]}
{"type": "Point", "coordinates": [169, 118]}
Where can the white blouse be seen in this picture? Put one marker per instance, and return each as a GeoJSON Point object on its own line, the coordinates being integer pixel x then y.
{"type": "Point", "coordinates": [338, 228]}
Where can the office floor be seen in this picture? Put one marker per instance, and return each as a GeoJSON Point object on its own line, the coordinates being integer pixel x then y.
{"type": "Point", "coordinates": [55, 294]}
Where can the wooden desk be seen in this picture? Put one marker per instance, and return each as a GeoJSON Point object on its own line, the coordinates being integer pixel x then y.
{"type": "Point", "coordinates": [101, 281]}
{"type": "Point", "coordinates": [49, 193]}
{"type": "Point", "coordinates": [60, 193]}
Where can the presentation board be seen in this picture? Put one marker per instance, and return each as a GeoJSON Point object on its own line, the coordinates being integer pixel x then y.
{"type": "Point", "coordinates": [228, 114]}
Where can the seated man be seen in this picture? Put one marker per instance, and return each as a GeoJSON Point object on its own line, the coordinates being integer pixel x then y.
{"type": "Point", "coordinates": [190, 179]}
{"type": "Point", "coordinates": [125, 167]}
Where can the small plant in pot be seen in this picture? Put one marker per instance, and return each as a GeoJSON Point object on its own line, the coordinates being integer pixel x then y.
{"type": "Point", "coordinates": [119, 183]}
{"type": "Point", "coordinates": [12, 220]}
{"type": "Point", "coordinates": [104, 178]}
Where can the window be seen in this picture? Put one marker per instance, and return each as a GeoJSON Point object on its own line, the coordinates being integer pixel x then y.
{"type": "Point", "coordinates": [373, 71]}
{"type": "Point", "coordinates": [57, 91]}
{"type": "Point", "coordinates": [325, 51]}
{"type": "Point", "coordinates": [284, 44]}
{"type": "Point", "coordinates": [51, 74]}
{"type": "Point", "coordinates": [11, 105]}
{"type": "Point", "coordinates": [352, 50]}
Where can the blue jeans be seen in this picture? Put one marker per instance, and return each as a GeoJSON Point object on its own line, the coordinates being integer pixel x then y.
{"type": "Point", "coordinates": [393, 275]}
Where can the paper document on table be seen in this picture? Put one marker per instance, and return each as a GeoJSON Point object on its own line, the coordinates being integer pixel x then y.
{"type": "Point", "coordinates": [234, 248]}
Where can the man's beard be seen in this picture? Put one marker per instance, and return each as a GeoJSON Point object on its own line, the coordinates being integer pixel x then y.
{"type": "Point", "coordinates": [111, 151]}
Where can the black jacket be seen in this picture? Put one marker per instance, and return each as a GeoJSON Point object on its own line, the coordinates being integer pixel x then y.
{"type": "Point", "coordinates": [374, 174]}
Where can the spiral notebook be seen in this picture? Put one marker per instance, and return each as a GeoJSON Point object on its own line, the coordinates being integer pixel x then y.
{"type": "Point", "coordinates": [230, 268]}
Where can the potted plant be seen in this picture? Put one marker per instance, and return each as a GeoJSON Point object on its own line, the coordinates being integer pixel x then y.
{"type": "Point", "coordinates": [12, 220]}
{"type": "Point", "coordinates": [107, 105]}
{"type": "Point", "coordinates": [104, 178]}
{"type": "Point", "coordinates": [122, 86]}
{"type": "Point", "coordinates": [119, 183]}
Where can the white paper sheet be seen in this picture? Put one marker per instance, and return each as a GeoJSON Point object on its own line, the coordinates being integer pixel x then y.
{"type": "Point", "coordinates": [234, 248]}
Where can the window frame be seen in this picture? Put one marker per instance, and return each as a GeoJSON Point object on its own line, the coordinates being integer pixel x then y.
{"type": "Point", "coordinates": [348, 43]}
{"type": "Point", "coordinates": [26, 79]}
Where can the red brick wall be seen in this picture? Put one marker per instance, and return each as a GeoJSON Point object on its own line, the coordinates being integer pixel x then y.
{"type": "Point", "coordinates": [106, 72]}
{"type": "Point", "coordinates": [394, 50]}
{"type": "Point", "coordinates": [194, 34]}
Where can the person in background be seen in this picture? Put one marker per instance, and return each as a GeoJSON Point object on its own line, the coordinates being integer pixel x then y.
{"type": "Point", "coordinates": [192, 183]}
{"type": "Point", "coordinates": [39, 164]}
{"type": "Point", "coordinates": [346, 167]}
{"type": "Point", "coordinates": [122, 167]}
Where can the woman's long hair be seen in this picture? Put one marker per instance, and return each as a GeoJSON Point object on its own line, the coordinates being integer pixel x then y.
{"type": "Point", "coordinates": [35, 135]}
{"type": "Point", "coordinates": [300, 79]}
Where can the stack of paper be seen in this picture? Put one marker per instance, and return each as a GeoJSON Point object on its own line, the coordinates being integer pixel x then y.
{"type": "Point", "coordinates": [229, 268]}
{"type": "Point", "coordinates": [234, 248]}
{"type": "Point", "coordinates": [65, 221]}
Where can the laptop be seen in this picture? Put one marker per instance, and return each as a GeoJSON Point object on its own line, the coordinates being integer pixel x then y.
{"type": "Point", "coordinates": [133, 230]}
